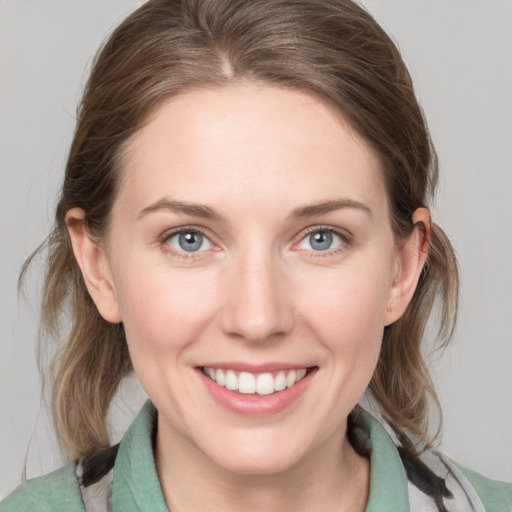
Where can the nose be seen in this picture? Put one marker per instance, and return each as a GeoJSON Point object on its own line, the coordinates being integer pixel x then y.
{"type": "Point", "coordinates": [258, 304]}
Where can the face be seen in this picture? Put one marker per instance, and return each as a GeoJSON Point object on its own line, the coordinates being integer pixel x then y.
{"type": "Point", "coordinates": [251, 260]}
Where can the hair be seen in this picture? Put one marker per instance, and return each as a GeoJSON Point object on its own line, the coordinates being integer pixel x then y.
{"type": "Point", "coordinates": [331, 49]}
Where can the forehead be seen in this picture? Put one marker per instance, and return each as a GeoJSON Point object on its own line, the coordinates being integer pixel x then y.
{"type": "Point", "coordinates": [248, 139]}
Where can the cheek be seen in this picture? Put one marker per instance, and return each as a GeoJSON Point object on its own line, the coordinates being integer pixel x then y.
{"type": "Point", "coordinates": [348, 315]}
{"type": "Point", "coordinates": [163, 316]}
{"type": "Point", "coordinates": [353, 300]}
{"type": "Point", "coordinates": [163, 309]}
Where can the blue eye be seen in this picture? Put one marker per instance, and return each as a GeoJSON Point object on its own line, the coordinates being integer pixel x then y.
{"type": "Point", "coordinates": [189, 241]}
{"type": "Point", "coordinates": [321, 240]}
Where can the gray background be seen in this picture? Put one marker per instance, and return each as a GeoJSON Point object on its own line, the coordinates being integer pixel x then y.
{"type": "Point", "coordinates": [459, 53]}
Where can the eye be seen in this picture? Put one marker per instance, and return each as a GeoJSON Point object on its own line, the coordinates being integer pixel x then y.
{"type": "Point", "coordinates": [189, 241]}
{"type": "Point", "coordinates": [321, 240]}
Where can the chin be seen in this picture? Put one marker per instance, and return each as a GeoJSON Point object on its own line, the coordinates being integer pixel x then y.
{"type": "Point", "coordinates": [257, 454]}
{"type": "Point", "coordinates": [256, 464]}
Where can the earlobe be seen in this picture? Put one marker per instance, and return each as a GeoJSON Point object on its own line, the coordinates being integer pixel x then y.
{"type": "Point", "coordinates": [411, 257]}
{"type": "Point", "coordinates": [94, 265]}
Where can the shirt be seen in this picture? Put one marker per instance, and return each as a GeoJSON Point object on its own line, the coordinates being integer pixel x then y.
{"type": "Point", "coordinates": [397, 483]}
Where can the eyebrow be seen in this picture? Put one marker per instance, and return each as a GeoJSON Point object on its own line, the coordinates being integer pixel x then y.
{"type": "Point", "coordinates": [206, 212]}
{"type": "Point", "coordinates": [329, 206]}
{"type": "Point", "coordinates": [195, 210]}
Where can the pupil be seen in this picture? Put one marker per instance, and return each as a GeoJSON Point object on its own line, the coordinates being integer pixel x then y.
{"type": "Point", "coordinates": [321, 241]}
{"type": "Point", "coordinates": [191, 242]}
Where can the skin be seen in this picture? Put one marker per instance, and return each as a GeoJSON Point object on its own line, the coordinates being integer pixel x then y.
{"type": "Point", "coordinates": [256, 292]}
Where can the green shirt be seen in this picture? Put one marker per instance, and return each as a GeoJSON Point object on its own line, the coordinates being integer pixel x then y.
{"type": "Point", "coordinates": [136, 487]}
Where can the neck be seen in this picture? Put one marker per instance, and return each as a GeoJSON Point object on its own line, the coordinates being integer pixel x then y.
{"type": "Point", "coordinates": [333, 478]}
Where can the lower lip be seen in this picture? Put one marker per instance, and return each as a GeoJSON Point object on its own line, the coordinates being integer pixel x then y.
{"type": "Point", "coordinates": [256, 405]}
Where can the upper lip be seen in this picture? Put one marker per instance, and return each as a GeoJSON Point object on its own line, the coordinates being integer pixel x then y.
{"type": "Point", "coordinates": [255, 368]}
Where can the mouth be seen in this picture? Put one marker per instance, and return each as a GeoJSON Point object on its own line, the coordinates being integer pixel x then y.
{"type": "Point", "coordinates": [262, 384]}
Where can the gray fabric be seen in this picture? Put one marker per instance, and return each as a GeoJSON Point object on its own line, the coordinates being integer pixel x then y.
{"type": "Point", "coordinates": [97, 497]}
{"type": "Point", "coordinates": [464, 498]}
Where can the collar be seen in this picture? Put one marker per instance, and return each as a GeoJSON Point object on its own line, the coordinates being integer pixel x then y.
{"type": "Point", "coordinates": [388, 483]}
{"type": "Point", "coordinates": [136, 486]}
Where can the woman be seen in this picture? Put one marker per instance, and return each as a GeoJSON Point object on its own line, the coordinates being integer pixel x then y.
{"type": "Point", "coordinates": [244, 224]}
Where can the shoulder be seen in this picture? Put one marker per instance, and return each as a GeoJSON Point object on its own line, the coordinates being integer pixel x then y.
{"type": "Point", "coordinates": [495, 495]}
{"type": "Point", "coordinates": [452, 485]}
{"type": "Point", "coordinates": [55, 492]}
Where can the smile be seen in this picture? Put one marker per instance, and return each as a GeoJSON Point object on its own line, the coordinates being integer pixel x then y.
{"type": "Point", "coordinates": [255, 383]}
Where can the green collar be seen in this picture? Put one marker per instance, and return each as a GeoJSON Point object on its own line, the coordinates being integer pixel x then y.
{"type": "Point", "coordinates": [388, 483]}
{"type": "Point", "coordinates": [136, 486]}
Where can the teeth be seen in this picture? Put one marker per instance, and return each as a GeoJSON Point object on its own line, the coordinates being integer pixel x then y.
{"type": "Point", "coordinates": [248, 383]}
{"type": "Point", "coordinates": [231, 380]}
{"type": "Point", "coordinates": [301, 374]}
{"type": "Point", "coordinates": [290, 378]}
{"type": "Point", "coordinates": [219, 378]}
{"type": "Point", "coordinates": [265, 384]}
{"type": "Point", "coordinates": [280, 381]}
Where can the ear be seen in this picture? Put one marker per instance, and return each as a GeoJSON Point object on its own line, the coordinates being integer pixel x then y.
{"type": "Point", "coordinates": [411, 256]}
{"type": "Point", "coordinates": [94, 264]}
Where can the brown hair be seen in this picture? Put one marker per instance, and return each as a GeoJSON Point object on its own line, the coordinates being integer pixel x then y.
{"type": "Point", "coordinates": [331, 49]}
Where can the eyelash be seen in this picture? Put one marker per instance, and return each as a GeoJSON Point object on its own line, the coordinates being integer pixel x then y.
{"type": "Point", "coordinates": [345, 237]}
{"type": "Point", "coordinates": [184, 255]}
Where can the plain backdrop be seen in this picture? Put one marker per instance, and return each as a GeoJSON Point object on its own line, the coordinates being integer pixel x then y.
{"type": "Point", "coordinates": [459, 53]}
